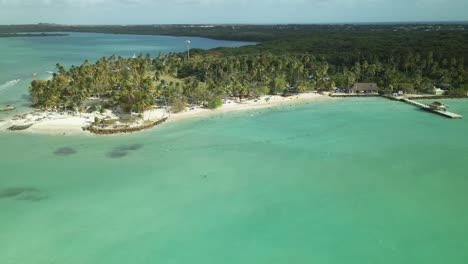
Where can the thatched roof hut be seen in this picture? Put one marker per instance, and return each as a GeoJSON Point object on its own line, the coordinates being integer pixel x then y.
{"type": "Point", "coordinates": [364, 88]}
{"type": "Point", "coordinates": [437, 106]}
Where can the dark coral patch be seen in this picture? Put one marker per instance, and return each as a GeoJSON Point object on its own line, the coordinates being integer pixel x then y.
{"type": "Point", "coordinates": [132, 147]}
{"type": "Point", "coordinates": [122, 151]}
{"type": "Point", "coordinates": [11, 192]}
{"type": "Point", "coordinates": [117, 154]}
{"type": "Point", "coordinates": [22, 193]}
{"type": "Point", "coordinates": [66, 151]}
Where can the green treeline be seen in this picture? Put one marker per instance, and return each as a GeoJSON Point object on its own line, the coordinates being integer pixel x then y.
{"type": "Point", "coordinates": [15, 35]}
{"type": "Point", "coordinates": [137, 84]}
{"type": "Point", "coordinates": [301, 58]}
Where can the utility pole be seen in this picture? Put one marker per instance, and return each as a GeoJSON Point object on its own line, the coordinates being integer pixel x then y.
{"type": "Point", "coordinates": [188, 49]}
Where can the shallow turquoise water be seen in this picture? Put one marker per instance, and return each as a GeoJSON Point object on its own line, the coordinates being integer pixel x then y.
{"type": "Point", "coordinates": [344, 181]}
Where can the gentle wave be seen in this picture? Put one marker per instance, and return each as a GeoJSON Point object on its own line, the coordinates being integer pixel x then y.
{"type": "Point", "coordinates": [9, 84]}
{"type": "Point", "coordinates": [50, 72]}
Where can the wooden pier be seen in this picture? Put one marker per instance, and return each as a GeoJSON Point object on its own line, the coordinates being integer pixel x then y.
{"type": "Point", "coordinates": [428, 108]}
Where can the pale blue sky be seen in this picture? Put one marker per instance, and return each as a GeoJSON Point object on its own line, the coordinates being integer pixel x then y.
{"type": "Point", "coordinates": [229, 11]}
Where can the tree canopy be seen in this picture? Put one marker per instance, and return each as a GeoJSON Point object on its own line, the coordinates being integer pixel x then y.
{"type": "Point", "coordinates": [408, 58]}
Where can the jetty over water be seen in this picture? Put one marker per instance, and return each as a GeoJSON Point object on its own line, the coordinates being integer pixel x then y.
{"type": "Point", "coordinates": [430, 108]}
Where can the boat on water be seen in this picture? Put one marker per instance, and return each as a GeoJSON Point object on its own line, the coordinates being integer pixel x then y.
{"type": "Point", "coordinates": [7, 108]}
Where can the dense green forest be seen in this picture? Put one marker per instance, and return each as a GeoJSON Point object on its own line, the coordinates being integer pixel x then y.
{"type": "Point", "coordinates": [258, 33]}
{"type": "Point", "coordinates": [16, 35]}
{"type": "Point", "coordinates": [412, 58]}
{"type": "Point", "coordinates": [136, 84]}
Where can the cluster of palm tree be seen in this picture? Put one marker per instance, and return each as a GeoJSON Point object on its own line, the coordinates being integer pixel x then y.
{"type": "Point", "coordinates": [113, 82]}
{"type": "Point", "coordinates": [410, 73]}
{"type": "Point", "coordinates": [137, 84]}
{"type": "Point", "coordinates": [244, 76]}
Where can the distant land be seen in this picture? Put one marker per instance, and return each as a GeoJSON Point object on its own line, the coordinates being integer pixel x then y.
{"type": "Point", "coordinates": [242, 32]}
{"type": "Point", "coordinates": [16, 35]}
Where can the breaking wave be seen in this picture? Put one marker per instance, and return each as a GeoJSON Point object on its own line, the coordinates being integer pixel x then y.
{"type": "Point", "coordinates": [8, 84]}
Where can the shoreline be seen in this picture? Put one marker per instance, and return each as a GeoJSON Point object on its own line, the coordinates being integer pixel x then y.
{"type": "Point", "coordinates": [249, 105]}
{"type": "Point", "coordinates": [55, 123]}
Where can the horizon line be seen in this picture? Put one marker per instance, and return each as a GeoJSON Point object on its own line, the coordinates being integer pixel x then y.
{"type": "Point", "coordinates": [260, 24]}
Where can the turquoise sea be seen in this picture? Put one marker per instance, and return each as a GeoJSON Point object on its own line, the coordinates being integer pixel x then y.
{"type": "Point", "coordinates": [344, 181]}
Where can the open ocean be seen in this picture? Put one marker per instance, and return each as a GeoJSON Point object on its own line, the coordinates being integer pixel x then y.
{"type": "Point", "coordinates": [344, 181]}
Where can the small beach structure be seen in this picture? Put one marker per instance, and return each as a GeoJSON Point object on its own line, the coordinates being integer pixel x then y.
{"type": "Point", "coordinates": [364, 88]}
{"type": "Point", "coordinates": [7, 108]}
{"type": "Point", "coordinates": [290, 91]}
{"type": "Point", "coordinates": [438, 91]}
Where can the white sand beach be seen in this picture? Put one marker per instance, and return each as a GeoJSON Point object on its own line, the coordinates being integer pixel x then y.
{"type": "Point", "coordinates": [262, 102]}
{"type": "Point", "coordinates": [48, 122]}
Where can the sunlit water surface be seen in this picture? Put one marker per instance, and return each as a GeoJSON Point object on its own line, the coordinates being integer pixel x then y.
{"type": "Point", "coordinates": [343, 181]}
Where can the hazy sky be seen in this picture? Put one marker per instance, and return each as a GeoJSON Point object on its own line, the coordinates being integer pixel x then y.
{"type": "Point", "coordinates": [229, 11]}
